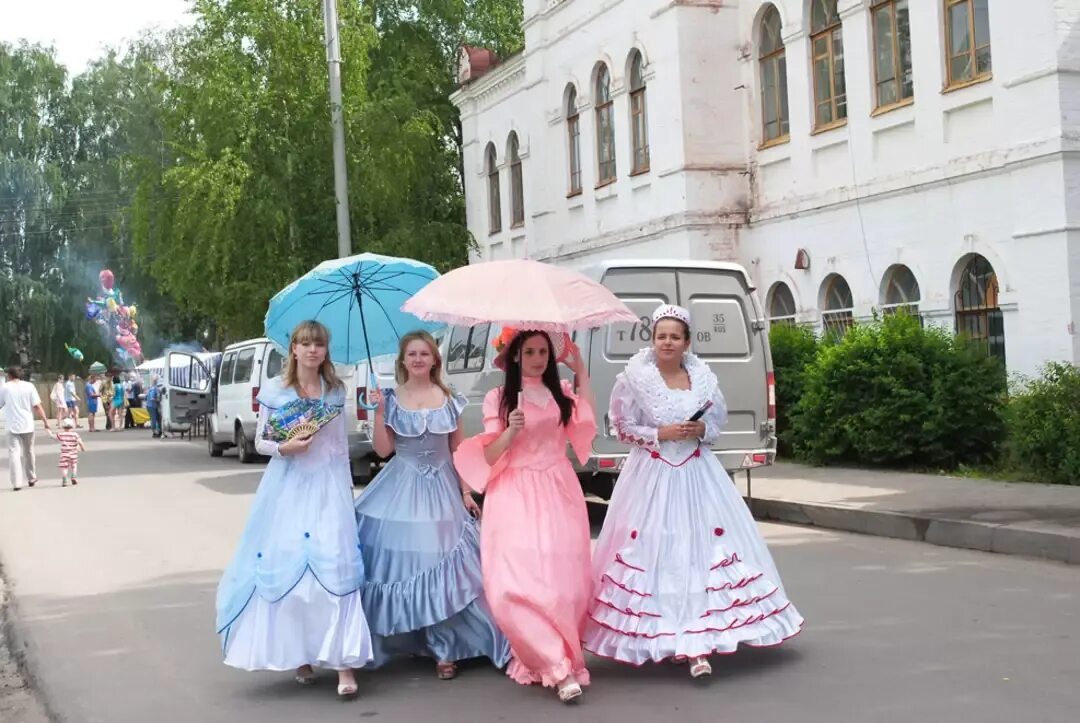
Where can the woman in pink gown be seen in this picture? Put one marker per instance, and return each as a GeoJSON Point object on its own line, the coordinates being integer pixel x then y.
{"type": "Point", "coordinates": [535, 542]}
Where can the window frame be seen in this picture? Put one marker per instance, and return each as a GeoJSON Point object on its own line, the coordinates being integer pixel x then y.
{"type": "Point", "coordinates": [639, 118]}
{"type": "Point", "coordinates": [247, 354]}
{"type": "Point", "coordinates": [777, 58]}
{"type": "Point", "coordinates": [910, 305]}
{"type": "Point", "coordinates": [573, 140]}
{"type": "Point", "coordinates": [785, 319]}
{"type": "Point", "coordinates": [473, 344]}
{"type": "Point", "coordinates": [228, 365]}
{"type": "Point", "coordinates": [973, 52]}
{"type": "Point", "coordinates": [839, 320]}
{"type": "Point", "coordinates": [517, 183]}
{"type": "Point", "coordinates": [828, 33]}
{"type": "Point", "coordinates": [605, 109]}
{"type": "Point", "coordinates": [980, 320]}
{"type": "Point", "coordinates": [494, 192]}
{"type": "Point", "coordinates": [897, 57]}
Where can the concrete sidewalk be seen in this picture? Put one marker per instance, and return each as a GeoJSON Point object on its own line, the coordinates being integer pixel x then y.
{"type": "Point", "coordinates": [1029, 519]}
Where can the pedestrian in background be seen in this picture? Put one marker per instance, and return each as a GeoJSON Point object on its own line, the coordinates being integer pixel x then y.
{"type": "Point", "coordinates": [119, 403]}
{"type": "Point", "coordinates": [292, 596]}
{"type": "Point", "coordinates": [107, 393]}
{"type": "Point", "coordinates": [93, 397]}
{"type": "Point", "coordinates": [72, 399]}
{"type": "Point", "coordinates": [57, 397]}
{"type": "Point", "coordinates": [535, 537]}
{"type": "Point", "coordinates": [154, 394]}
{"type": "Point", "coordinates": [70, 444]}
{"type": "Point", "coordinates": [19, 401]}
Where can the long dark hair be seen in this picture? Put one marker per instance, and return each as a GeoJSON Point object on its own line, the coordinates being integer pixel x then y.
{"type": "Point", "coordinates": [513, 383]}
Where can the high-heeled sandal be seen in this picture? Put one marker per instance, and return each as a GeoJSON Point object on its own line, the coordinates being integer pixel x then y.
{"type": "Point", "coordinates": [305, 678]}
{"type": "Point", "coordinates": [446, 671]}
{"type": "Point", "coordinates": [699, 668]}
{"type": "Point", "coordinates": [569, 690]}
{"type": "Point", "coordinates": [347, 691]}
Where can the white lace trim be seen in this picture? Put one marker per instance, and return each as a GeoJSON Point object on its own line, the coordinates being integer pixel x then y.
{"type": "Point", "coordinates": [659, 402]}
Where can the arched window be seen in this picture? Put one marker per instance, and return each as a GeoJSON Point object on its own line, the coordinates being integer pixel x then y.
{"type": "Point", "coordinates": [639, 124]}
{"type": "Point", "coordinates": [837, 308]}
{"type": "Point", "coordinates": [494, 198]}
{"type": "Point", "coordinates": [773, 61]}
{"type": "Point", "coordinates": [892, 52]}
{"type": "Point", "coordinates": [827, 50]}
{"type": "Point", "coordinates": [605, 127]}
{"type": "Point", "coordinates": [901, 291]}
{"type": "Point", "coordinates": [573, 139]}
{"type": "Point", "coordinates": [978, 315]}
{"type": "Point", "coordinates": [517, 183]}
{"type": "Point", "coordinates": [967, 41]}
{"type": "Point", "coordinates": [781, 305]}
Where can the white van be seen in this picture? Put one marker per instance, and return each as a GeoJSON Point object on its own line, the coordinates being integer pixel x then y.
{"type": "Point", "coordinates": [730, 334]}
{"type": "Point", "coordinates": [229, 394]}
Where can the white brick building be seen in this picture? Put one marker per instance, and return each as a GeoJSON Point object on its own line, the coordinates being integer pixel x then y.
{"type": "Point", "coordinates": [933, 162]}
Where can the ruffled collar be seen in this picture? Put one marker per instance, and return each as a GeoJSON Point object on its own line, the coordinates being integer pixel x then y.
{"type": "Point", "coordinates": [649, 386]}
{"type": "Point", "coordinates": [535, 392]}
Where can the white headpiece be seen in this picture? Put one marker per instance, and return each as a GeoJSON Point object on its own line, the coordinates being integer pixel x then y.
{"type": "Point", "coordinates": [671, 311]}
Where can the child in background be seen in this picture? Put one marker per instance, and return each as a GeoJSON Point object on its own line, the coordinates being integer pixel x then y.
{"type": "Point", "coordinates": [70, 444]}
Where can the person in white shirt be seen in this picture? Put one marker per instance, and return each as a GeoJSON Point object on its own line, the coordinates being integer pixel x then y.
{"type": "Point", "coordinates": [19, 401]}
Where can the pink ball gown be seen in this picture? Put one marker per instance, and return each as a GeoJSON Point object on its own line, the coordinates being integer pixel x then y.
{"type": "Point", "coordinates": [535, 546]}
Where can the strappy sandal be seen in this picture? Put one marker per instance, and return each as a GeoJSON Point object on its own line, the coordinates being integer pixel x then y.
{"type": "Point", "coordinates": [347, 691]}
{"type": "Point", "coordinates": [446, 671]}
{"type": "Point", "coordinates": [305, 675]}
{"type": "Point", "coordinates": [700, 667]}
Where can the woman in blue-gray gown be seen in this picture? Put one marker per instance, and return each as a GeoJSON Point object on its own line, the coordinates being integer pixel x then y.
{"type": "Point", "coordinates": [418, 526]}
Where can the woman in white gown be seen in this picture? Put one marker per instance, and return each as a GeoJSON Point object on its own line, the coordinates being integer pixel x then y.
{"type": "Point", "coordinates": [680, 568]}
{"type": "Point", "coordinates": [291, 597]}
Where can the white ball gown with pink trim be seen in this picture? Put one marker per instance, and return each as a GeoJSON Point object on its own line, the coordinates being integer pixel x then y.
{"type": "Point", "coordinates": [680, 569]}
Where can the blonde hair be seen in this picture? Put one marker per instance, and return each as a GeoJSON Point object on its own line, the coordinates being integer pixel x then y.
{"type": "Point", "coordinates": [314, 333]}
{"type": "Point", "coordinates": [401, 374]}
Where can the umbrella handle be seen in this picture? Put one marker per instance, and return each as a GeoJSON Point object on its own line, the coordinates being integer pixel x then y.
{"type": "Point", "coordinates": [373, 383]}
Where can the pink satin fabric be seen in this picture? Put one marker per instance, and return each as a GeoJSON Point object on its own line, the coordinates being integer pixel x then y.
{"type": "Point", "coordinates": [535, 545]}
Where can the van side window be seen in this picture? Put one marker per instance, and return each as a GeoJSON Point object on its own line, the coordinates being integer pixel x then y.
{"type": "Point", "coordinates": [227, 369]}
{"type": "Point", "coordinates": [468, 348]}
{"type": "Point", "coordinates": [244, 363]}
{"type": "Point", "coordinates": [274, 363]}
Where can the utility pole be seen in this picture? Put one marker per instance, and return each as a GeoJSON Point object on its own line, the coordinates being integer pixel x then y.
{"type": "Point", "coordinates": [337, 119]}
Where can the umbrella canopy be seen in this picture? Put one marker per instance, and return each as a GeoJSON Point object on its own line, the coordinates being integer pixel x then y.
{"type": "Point", "coordinates": [358, 299]}
{"type": "Point", "coordinates": [98, 368]}
{"type": "Point", "coordinates": [520, 293]}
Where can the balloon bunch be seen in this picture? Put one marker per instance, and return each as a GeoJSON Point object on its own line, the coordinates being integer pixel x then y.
{"type": "Point", "coordinates": [118, 319]}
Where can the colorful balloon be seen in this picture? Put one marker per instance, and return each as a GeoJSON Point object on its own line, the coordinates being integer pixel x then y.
{"type": "Point", "coordinates": [75, 353]}
{"type": "Point", "coordinates": [107, 279]}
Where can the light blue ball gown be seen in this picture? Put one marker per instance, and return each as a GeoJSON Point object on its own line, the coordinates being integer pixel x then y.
{"type": "Point", "coordinates": [424, 591]}
{"type": "Point", "coordinates": [292, 594]}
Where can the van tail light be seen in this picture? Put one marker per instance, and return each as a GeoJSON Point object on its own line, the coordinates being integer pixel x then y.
{"type": "Point", "coordinates": [760, 458]}
{"type": "Point", "coordinates": [609, 464]}
{"type": "Point", "coordinates": [361, 412]}
{"type": "Point", "coordinates": [255, 399]}
{"type": "Point", "coordinates": [771, 381]}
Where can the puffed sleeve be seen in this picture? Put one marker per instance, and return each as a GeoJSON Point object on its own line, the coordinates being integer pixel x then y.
{"type": "Point", "coordinates": [581, 429]}
{"type": "Point", "coordinates": [264, 446]}
{"type": "Point", "coordinates": [715, 418]}
{"type": "Point", "coordinates": [469, 458]}
{"type": "Point", "coordinates": [628, 418]}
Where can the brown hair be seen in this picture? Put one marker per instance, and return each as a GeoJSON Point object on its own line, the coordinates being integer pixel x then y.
{"type": "Point", "coordinates": [304, 333]}
{"type": "Point", "coordinates": [14, 373]}
{"type": "Point", "coordinates": [401, 374]}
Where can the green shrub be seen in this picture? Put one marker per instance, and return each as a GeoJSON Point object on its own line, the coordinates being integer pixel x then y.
{"type": "Point", "coordinates": [793, 348]}
{"type": "Point", "coordinates": [1043, 418]}
{"type": "Point", "coordinates": [894, 393]}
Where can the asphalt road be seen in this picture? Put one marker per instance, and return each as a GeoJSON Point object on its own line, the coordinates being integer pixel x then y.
{"type": "Point", "coordinates": [114, 585]}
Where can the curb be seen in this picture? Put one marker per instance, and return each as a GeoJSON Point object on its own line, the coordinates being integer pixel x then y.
{"type": "Point", "coordinates": [967, 534]}
{"type": "Point", "coordinates": [37, 708]}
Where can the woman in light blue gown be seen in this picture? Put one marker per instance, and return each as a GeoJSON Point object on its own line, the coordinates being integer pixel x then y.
{"type": "Point", "coordinates": [291, 597]}
{"type": "Point", "coordinates": [418, 526]}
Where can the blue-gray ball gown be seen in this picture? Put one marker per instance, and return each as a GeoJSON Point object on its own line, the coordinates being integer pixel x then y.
{"type": "Point", "coordinates": [292, 594]}
{"type": "Point", "coordinates": [423, 594]}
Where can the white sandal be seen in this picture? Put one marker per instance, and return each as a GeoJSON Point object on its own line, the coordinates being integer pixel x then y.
{"type": "Point", "coordinates": [569, 690]}
{"type": "Point", "coordinates": [347, 691]}
{"type": "Point", "coordinates": [699, 667]}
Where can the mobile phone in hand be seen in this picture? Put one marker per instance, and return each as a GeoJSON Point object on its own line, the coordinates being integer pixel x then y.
{"type": "Point", "coordinates": [701, 412]}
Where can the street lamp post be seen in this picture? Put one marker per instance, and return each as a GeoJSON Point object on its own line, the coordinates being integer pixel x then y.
{"type": "Point", "coordinates": [337, 120]}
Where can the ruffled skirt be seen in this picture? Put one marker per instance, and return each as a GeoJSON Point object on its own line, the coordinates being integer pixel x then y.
{"type": "Point", "coordinates": [424, 589]}
{"type": "Point", "coordinates": [680, 569]}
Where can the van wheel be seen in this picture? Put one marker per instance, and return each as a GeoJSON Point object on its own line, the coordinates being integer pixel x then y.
{"type": "Point", "coordinates": [216, 450]}
{"type": "Point", "coordinates": [245, 450]}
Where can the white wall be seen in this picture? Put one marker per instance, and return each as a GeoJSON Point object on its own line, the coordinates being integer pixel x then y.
{"type": "Point", "coordinates": [988, 169]}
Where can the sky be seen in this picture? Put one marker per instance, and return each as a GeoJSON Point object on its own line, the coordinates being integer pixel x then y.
{"type": "Point", "coordinates": [81, 29]}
